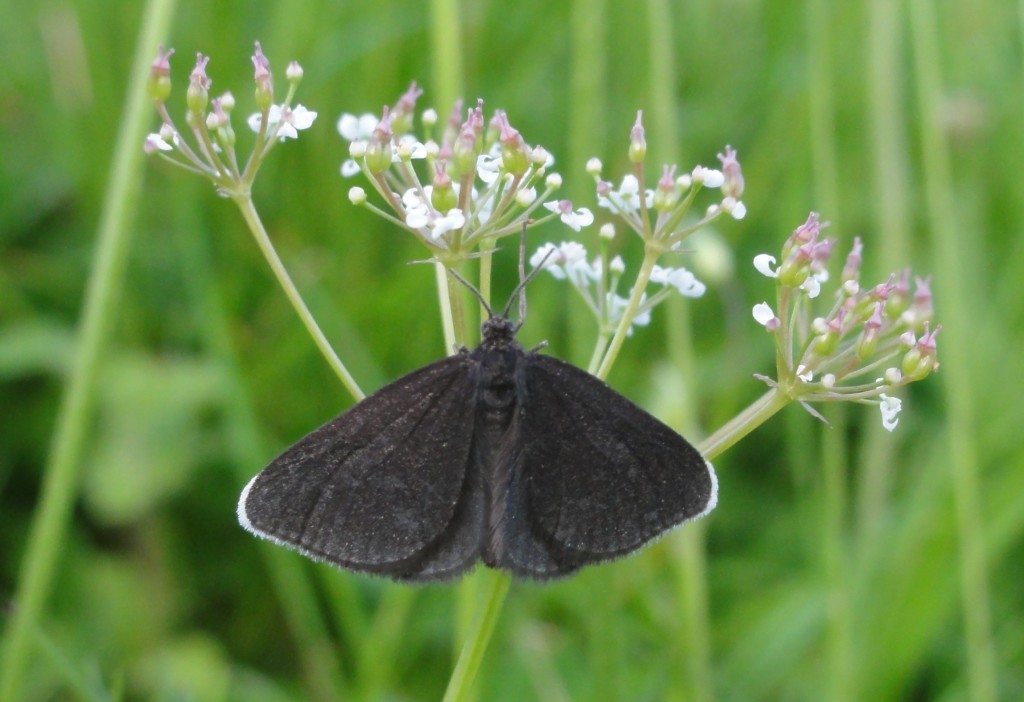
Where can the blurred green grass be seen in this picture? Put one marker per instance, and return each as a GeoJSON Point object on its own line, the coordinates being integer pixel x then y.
{"type": "Point", "coordinates": [209, 374]}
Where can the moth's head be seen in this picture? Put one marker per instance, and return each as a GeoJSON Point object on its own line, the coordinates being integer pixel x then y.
{"type": "Point", "coordinates": [499, 329]}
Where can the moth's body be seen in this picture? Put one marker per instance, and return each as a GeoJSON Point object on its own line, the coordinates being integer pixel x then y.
{"type": "Point", "coordinates": [496, 454]}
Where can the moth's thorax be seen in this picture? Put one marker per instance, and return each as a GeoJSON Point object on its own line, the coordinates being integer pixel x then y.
{"type": "Point", "coordinates": [498, 358]}
{"type": "Point", "coordinates": [497, 376]}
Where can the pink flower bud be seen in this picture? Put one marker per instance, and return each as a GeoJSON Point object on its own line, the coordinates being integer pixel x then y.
{"type": "Point", "coordinates": [637, 140]}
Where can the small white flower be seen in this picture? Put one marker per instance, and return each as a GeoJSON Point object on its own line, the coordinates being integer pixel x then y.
{"type": "Point", "coordinates": [155, 142]}
{"type": "Point", "coordinates": [594, 166]}
{"type": "Point", "coordinates": [488, 166]}
{"type": "Point", "coordinates": [607, 231]}
{"type": "Point", "coordinates": [617, 265]}
{"type": "Point", "coordinates": [893, 375]}
{"type": "Point", "coordinates": [287, 121]}
{"type": "Point", "coordinates": [804, 374]}
{"type": "Point", "coordinates": [627, 198]}
{"type": "Point", "coordinates": [578, 219]}
{"type": "Point", "coordinates": [828, 381]}
{"type": "Point", "coordinates": [352, 128]}
{"type": "Point", "coordinates": [553, 181]}
{"type": "Point", "coordinates": [452, 220]}
{"type": "Point", "coordinates": [417, 212]}
{"type": "Point", "coordinates": [566, 254]}
{"type": "Point", "coordinates": [686, 283]}
{"type": "Point", "coordinates": [763, 314]}
{"type": "Point", "coordinates": [681, 279]}
{"type": "Point", "coordinates": [417, 216]}
{"type": "Point", "coordinates": [739, 210]}
{"type": "Point", "coordinates": [890, 408]}
{"type": "Point", "coordinates": [659, 275]}
{"type": "Point", "coordinates": [763, 263]}
{"type": "Point", "coordinates": [708, 177]}
{"type": "Point", "coordinates": [299, 118]}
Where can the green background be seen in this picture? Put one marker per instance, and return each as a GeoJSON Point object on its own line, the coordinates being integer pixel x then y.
{"type": "Point", "coordinates": [842, 563]}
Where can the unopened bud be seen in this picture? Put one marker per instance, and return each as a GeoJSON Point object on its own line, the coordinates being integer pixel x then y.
{"type": "Point", "coordinates": [159, 85]}
{"type": "Point", "coordinates": [637, 140]}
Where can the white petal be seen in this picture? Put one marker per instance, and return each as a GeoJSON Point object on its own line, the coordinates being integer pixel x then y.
{"type": "Point", "coordinates": [302, 118]}
{"type": "Point", "coordinates": [890, 408]}
{"type": "Point", "coordinates": [686, 283]}
{"type": "Point", "coordinates": [763, 313]}
{"type": "Point", "coordinates": [352, 128]}
{"type": "Point", "coordinates": [487, 167]}
{"type": "Point", "coordinates": [659, 275]}
{"type": "Point", "coordinates": [811, 286]}
{"type": "Point", "coordinates": [763, 263]}
{"type": "Point", "coordinates": [286, 131]}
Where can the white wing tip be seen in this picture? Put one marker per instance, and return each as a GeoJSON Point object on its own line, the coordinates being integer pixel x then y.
{"type": "Point", "coordinates": [713, 498]}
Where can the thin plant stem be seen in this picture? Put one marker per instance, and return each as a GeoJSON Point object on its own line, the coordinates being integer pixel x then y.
{"type": "Point", "coordinates": [642, 278]}
{"type": "Point", "coordinates": [61, 474]}
{"type": "Point", "coordinates": [755, 414]}
{"type": "Point", "coordinates": [958, 296]}
{"type": "Point", "coordinates": [599, 348]}
{"type": "Point", "coordinates": [480, 632]}
{"type": "Point", "coordinates": [444, 304]}
{"type": "Point", "coordinates": [252, 218]}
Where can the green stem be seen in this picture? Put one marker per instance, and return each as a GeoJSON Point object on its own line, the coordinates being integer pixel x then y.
{"type": "Point", "coordinates": [599, 348]}
{"type": "Point", "coordinates": [642, 278]}
{"type": "Point", "coordinates": [252, 218]}
{"type": "Point", "coordinates": [444, 303]}
{"type": "Point", "coordinates": [479, 636]}
{"type": "Point", "coordinates": [756, 414]}
{"type": "Point", "coordinates": [60, 478]}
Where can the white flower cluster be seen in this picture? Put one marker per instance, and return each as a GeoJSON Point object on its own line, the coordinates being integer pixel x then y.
{"type": "Point", "coordinates": [866, 332]}
{"type": "Point", "coordinates": [479, 184]}
{"type": "Point", "coordinates": [597, 282]}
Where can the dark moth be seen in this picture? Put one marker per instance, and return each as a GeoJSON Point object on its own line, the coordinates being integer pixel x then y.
{"type": "Point", "coordinates": [497, 454]}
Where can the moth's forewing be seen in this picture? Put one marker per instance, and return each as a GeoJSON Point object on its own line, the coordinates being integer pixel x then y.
{"type": "Point", "coordinates": [383, 488]}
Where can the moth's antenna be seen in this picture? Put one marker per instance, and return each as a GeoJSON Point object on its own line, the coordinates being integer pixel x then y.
{"type": "Point", "coordinates": [472, 288]}
{"type": "Point", "coordinates": [524, 279]}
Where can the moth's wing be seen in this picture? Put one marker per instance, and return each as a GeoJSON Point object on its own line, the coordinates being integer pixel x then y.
{"type": "Point", "coordinates": [602, 476]}
{"type": "Point", "coordinates": [387, 487]}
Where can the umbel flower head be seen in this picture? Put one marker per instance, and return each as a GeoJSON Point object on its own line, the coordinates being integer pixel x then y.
{"type": "Point", "coordinates": [456, 186]}
{"type": "Point", "coordinates": [659, 216]}
{"type": "Point", "coordinates": [212, 148]}
{"type": "Point", "coordinates": [871, 342]}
